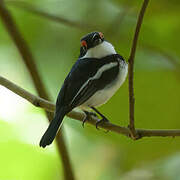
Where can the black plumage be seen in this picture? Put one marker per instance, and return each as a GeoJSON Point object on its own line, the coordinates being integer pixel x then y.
{"type": "Point", "coordinates": [82, 70]}
{"type": "Point", "coordinates": [82, 82]}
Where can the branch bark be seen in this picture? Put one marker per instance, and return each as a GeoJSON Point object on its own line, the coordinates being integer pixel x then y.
{"type": "Point", "coordinates": [134, 134]}
{"type": "Point", "coordinates": [48, 106]}
{"type": "Point", "coordinates": [28, 59]}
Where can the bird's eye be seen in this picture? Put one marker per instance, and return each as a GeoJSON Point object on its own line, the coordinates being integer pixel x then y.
{"type": "Point", "coordinates": [95, 37]}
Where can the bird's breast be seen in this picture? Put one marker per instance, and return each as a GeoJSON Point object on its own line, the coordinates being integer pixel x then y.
{"type": "Point", "coordinates": [102, 96]}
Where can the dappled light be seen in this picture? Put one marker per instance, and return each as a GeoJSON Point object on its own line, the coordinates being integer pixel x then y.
{"type": "Point", "coordinates": [40, 41]}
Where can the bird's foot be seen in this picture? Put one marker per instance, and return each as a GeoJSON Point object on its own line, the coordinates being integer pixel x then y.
{"type": "Point", "coordinates": [88, 115]}
{"type": "Point", "coordinates": [103, 120]}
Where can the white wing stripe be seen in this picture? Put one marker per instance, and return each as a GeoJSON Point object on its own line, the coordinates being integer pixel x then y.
{"type": "Point", "coordinates": [96, 76]}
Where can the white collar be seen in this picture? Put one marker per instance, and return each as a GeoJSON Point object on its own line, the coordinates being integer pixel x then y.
{"type": "Point", "coordinates": [100, 51]}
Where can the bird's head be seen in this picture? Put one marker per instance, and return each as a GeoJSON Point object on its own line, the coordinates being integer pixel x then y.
{"type": "Point", "coordinates": [91, 40]}
{"type": "Point", "coordinates": [93, 45]}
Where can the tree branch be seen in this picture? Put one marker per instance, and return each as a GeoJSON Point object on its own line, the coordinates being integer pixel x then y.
{"type": "Point", "coordinates": [48, 106]}
{"type": "Point", "coordinates": [28, 59]}
{"type": "Point", "coordinates": [134, 134]}
{"type": "Point", "coordinates": [36, 101]}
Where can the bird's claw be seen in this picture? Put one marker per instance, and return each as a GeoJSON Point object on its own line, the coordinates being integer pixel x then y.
{"type": "Point", "coordinates": [84, 120]}
{"type": "Point", "coordinates": [103, 120]}
{"type": "Point", "coordinates": [93, 114]}
{"type": "Point", "coordinates": [88, 116]}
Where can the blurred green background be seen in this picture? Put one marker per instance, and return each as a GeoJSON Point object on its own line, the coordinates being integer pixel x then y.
{"type": "Point", "coordinates": [94, 154]}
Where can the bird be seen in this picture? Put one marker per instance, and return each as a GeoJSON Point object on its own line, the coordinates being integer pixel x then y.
{"type": "Point", "coordinates": [94, 78]}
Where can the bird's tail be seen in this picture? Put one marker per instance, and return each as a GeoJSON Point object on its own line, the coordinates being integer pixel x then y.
{"type": "Point", "coordinates": [51, 132]}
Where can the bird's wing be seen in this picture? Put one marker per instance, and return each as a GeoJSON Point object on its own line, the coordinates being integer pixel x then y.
{"type": "Point", "coordinates": [86, 77]}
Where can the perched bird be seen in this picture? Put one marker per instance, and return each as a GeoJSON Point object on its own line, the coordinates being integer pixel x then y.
{"type": "Point", "coordinates": [94, 78]}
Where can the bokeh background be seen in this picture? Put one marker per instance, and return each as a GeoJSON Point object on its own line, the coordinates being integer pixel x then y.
{"type": "Point", "coordinates": [94, 154]}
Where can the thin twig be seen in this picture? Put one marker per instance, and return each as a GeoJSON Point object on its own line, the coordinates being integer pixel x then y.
{"type": "Point", "coordinates": [62, 20]}
{"type": "Point", "coordinates": [42, 103]}
{"type": "Point", "coordinates": [134, 135]}
{"type": "Point", "coordinates": [28, 59]}
{"type": "Point", "coordinates": [36, 101]}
